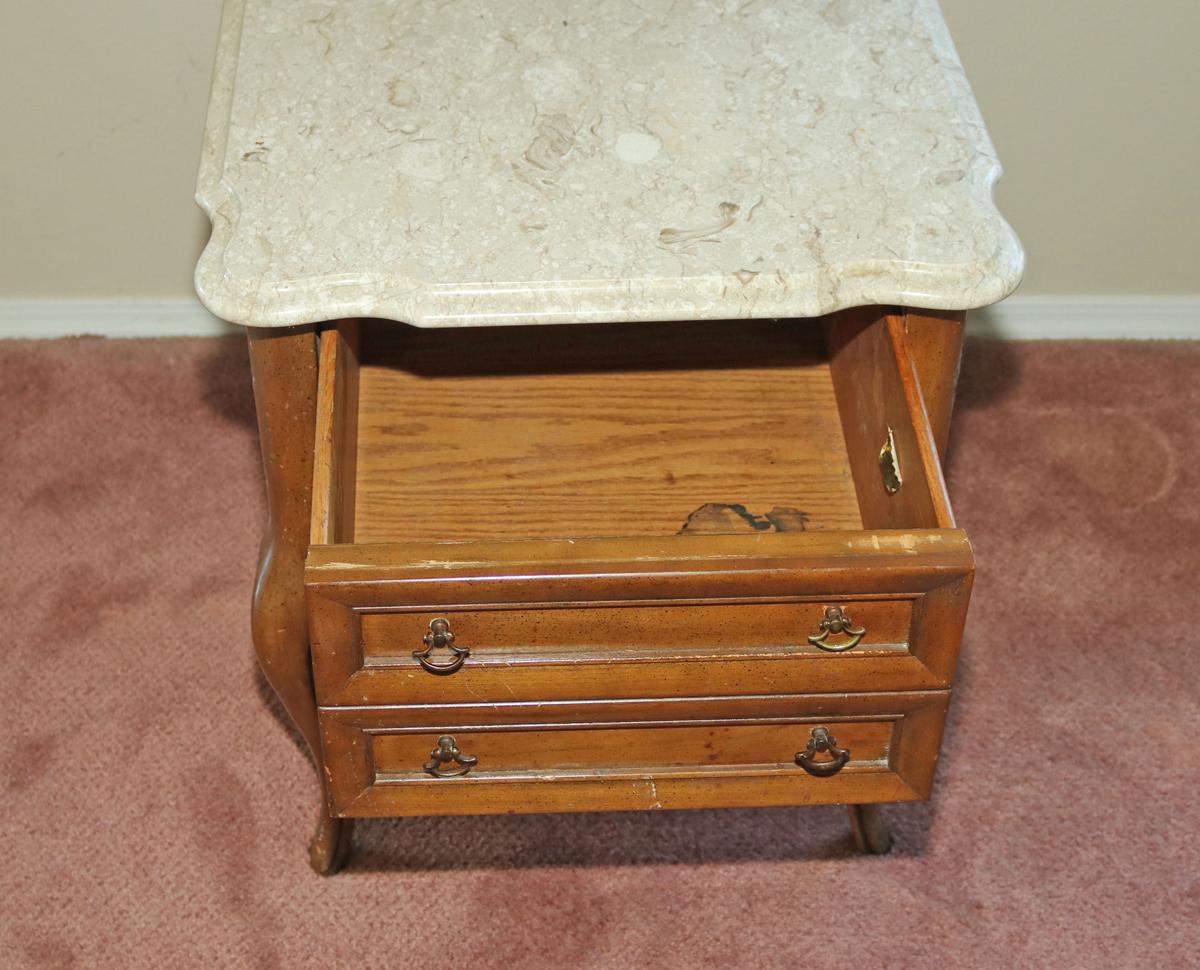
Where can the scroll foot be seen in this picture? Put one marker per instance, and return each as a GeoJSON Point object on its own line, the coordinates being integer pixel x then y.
{"type": "Point", "coordinates": [330, 846]}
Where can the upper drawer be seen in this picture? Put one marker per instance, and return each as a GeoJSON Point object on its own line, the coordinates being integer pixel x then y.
{"type": "Point", "coordinates": [625, 512]}
{"type": "Point", "coordinates": [596, 618]}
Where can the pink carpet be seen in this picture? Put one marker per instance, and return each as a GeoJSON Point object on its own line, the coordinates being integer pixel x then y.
{"type": "Point", "coordinates": [157, 810]}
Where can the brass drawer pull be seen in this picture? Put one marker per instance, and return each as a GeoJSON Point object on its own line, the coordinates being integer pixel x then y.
{"type": "Point", "coordinates": [889, 465]}
{"type": "Point", "coordinates": [836, 621]}
{"type": "Point", "coordinates": [820, 742]}
{"type": "Point", "coordinates": [445, 753]}
{"type": "Point", "coordinates": [439, 635]}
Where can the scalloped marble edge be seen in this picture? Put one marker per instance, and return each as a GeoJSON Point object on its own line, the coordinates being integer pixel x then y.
{"type": "Point", "coordinates": [842, 286]}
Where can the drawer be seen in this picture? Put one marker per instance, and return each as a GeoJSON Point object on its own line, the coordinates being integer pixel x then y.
{"type": "Point", "coordinates": [366, 647]}
{"type": "Point", "coordinates": [600, 517]}
{"type": "Point", "coordinates": [716, 752]}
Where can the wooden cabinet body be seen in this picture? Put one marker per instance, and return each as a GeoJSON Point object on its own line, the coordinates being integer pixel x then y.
{"type": "Point", "coordinates": [575, 522]}
{"type": "Point", "coordinates": [633, 567]}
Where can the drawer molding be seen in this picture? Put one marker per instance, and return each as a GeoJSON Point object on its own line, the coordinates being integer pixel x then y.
{"type": "Point", "coordinates": [357, 662]}
{"type": "Point", "coordinates": [560, 757]}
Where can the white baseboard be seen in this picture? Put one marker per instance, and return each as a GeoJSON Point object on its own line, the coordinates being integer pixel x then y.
{"type": "Point", "coordinates": [116, 317]}
{"type": "Point", "coordinates": [1019, 318]}
{"type": "Point", "coordinates": [1089, 318]}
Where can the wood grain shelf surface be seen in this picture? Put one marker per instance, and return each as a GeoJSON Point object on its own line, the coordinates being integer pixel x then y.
{"type": "Point", "coordinates": [622, 430]}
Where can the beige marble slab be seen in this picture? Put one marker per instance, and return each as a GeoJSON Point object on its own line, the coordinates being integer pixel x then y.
{"type": "Point", "coordinates": [456, 163]}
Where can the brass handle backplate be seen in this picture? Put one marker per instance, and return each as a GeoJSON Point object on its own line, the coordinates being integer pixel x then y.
{"type": "Point", "coordinates": [836, 622]}
{"type": "Point", "coordinates": [446, 753]}
{"type": "Point", "coordinates": [439, 635]}
{"type": "Point", "coordinates": [822, 742]}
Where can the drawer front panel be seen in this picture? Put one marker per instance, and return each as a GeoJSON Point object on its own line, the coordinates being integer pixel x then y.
{"type": "Point", "coordinates": [508, 754]}
{"type": "Point", "coordinates": [645, 628]}
{"type": "Point", "coordinates": [728, 751]}
{"type": "Point", "coordinates": [663, 632]}
{"type": "Point", "coordinates": [627, 651]}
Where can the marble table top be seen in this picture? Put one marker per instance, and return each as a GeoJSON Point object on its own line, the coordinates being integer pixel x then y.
{"type": "Point", "coordinates": [452, 163]}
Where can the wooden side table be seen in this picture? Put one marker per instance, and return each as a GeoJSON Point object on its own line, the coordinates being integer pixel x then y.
{"type": "Point", "coordinates": [603, 362]}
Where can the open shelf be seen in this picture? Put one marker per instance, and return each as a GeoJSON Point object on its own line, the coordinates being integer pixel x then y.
{"type": "Point", "coordinates": [626, 431]}
{"type": "Point", "coordinates": [623, 430]}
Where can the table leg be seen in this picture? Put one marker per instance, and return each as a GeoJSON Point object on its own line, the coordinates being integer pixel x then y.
{"type": "Point", "coordinates": [283, 365]}
{"type": "Point", "coordinates": [871, 833]}
{"type": "Point", "coordinates": [935, 340]}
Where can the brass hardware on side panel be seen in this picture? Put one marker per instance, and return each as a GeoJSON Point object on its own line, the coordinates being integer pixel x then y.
{"type": "Point", "coordinates": [445, 753]}
{"type": "Point", "coordinates": [835, 622]}
{"type": "Point", "coordinates": [889, 464]}
{"type": "Point", "coordinates": [822, 742]}
{"type": "Point", "coordinates": [439, 635]}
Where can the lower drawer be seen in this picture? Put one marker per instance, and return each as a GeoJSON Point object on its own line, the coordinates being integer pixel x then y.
{"type": "Point", "coordinates": [649, 754]}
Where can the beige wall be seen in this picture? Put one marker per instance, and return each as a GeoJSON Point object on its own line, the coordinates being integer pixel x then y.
{"type": "Point", "coordinates": [101, 112]}
{"type": "Point", "coordinates": [1092, 105]}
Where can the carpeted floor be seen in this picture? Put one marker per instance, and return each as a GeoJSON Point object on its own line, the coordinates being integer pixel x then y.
{"type": "Point", "coordinates": [157, 810]}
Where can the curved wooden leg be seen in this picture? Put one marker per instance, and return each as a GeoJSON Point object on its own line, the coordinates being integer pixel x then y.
{"type": "Point", "coordinates": [329, 849]}
{"type": "Point", "coordinates": [283, 364]}
{"type": "Point", "coordinates": [871, 833]}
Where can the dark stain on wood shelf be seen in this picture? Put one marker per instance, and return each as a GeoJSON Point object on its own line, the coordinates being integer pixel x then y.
{"type": "Point", "coordinates": [726, 517]}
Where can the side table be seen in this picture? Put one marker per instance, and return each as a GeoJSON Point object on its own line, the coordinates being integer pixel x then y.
{"type": "Point", "coordinates": [603, 363]}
